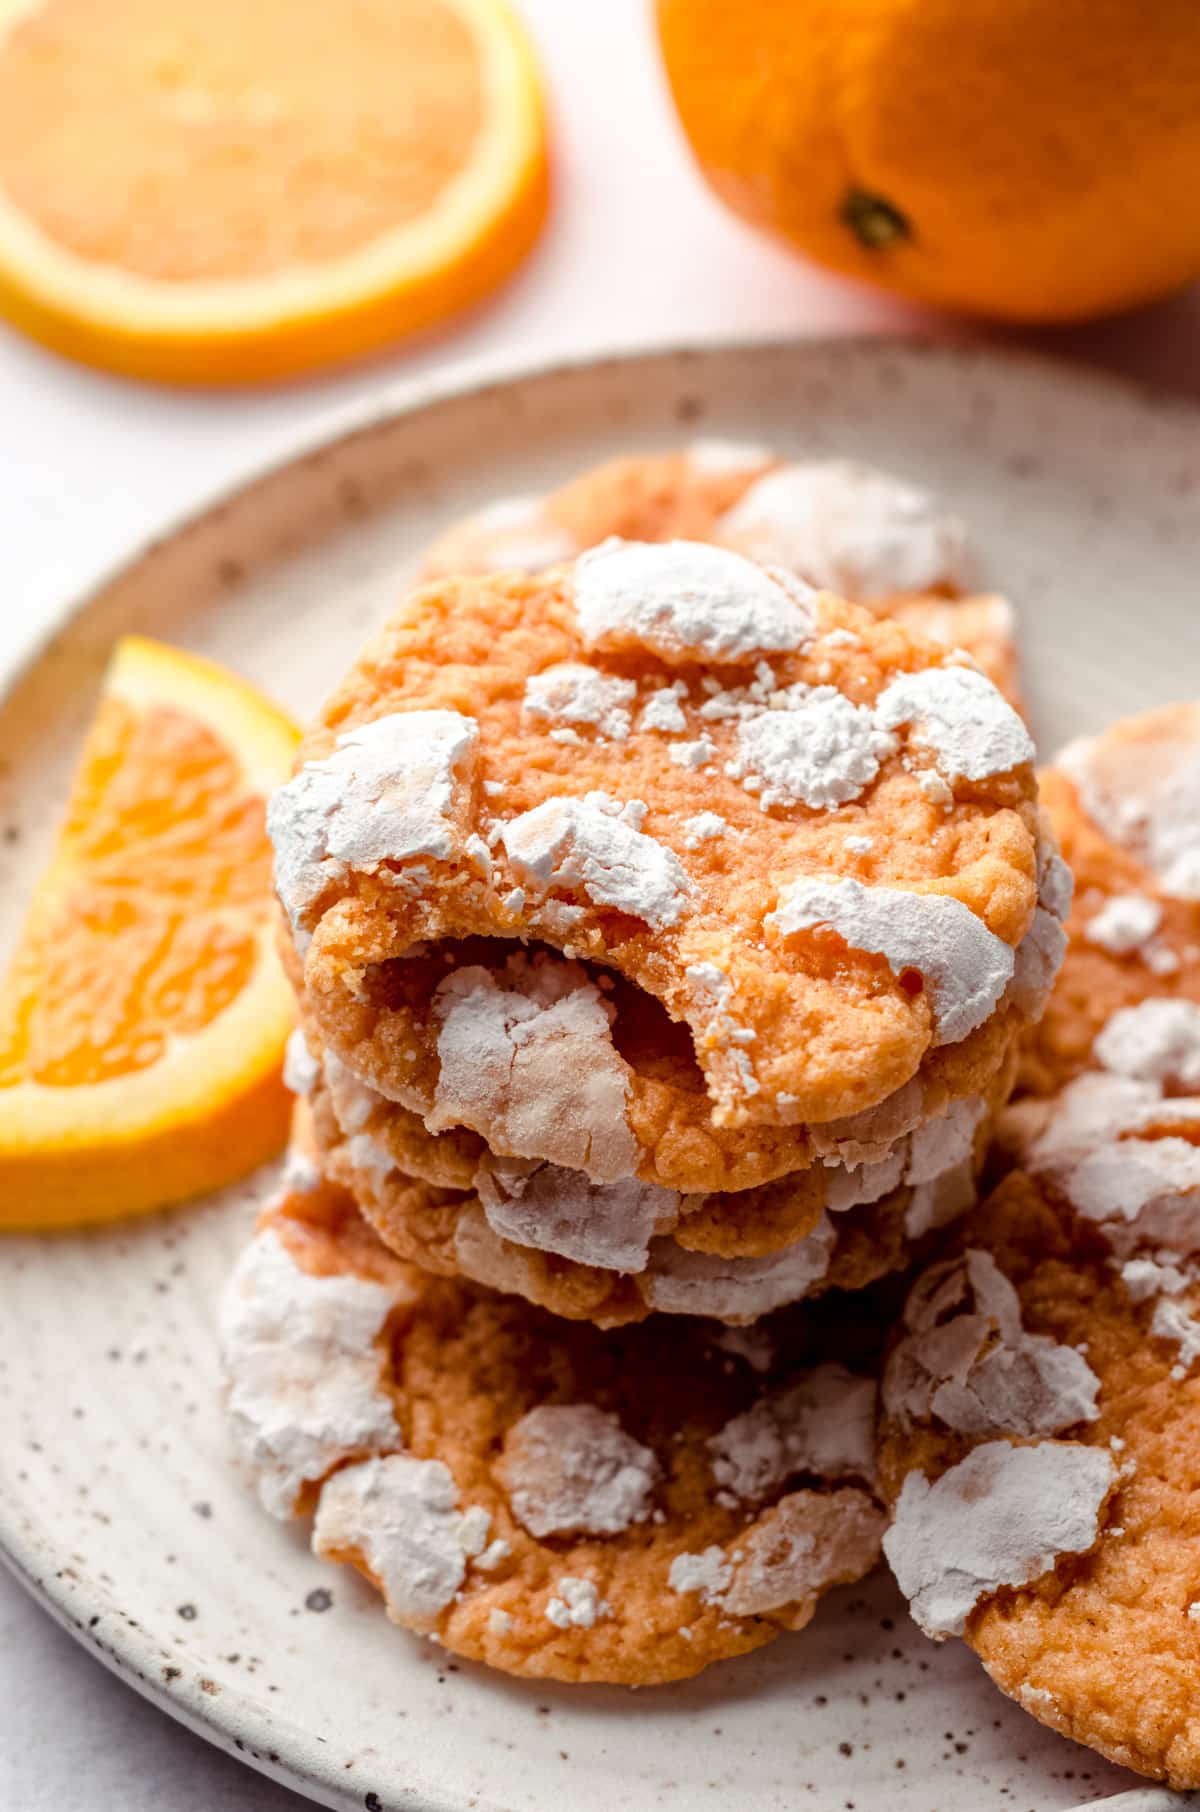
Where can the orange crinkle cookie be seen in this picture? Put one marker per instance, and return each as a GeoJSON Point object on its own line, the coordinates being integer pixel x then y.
{"type": "Point", "coordinates": [862, 533]}
{"type": "Point", "coordinates": [808, 836]}
{"type": "Point", "coordinates": [508, 1482]}
{"type": "Point", "coordinates": [1041, 1408]}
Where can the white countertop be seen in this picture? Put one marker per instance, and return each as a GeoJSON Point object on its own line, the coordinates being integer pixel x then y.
{"type": "Point", "coordinates": [636, 251]}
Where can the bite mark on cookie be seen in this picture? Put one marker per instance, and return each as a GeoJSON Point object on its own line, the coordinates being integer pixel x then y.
{"type": "Point", "coordinates": [391, 790]}
{"type": "Point", "coordinates": [526, 1060]}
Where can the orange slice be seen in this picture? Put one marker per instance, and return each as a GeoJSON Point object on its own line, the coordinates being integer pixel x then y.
{"type": "Point", "coordinates": [143, 1020]}
{"type": "Point", "coordinates": [209, 191]}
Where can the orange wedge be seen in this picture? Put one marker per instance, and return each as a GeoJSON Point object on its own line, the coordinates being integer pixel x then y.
{"type": "Point", "coordinates": [143, 1020]}
{"type": "Point", "coordinates": [208, 191]}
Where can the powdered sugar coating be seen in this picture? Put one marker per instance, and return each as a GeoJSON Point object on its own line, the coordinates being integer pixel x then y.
{"type": "Point", "coordinates": [966, 967]}
{"type": "Point", "coordinates": [871, 1136]}
{"type": "Point", "coordinates": [556, 1209]}
{"type": "Point", "coordinates": [352, 1099]}
{"type": "Point", "coordinates": [526, 1060]}
{"type": "Point", "coordinates": [1124, 923]}
{"type": "Point", "coordinates": [941, 1200]}
{"type": "Point", "coordinates": [1056, 883]}
{"type": "Point", "coordinates": [1050, 1137]}
{"type": "Point", "coordinates": [574, 693]}
{"type": "Point", "coordinates": [848, 1187]}
{"type": "Point", "coordinates": [807, 1542]}
{"type": "Point", "coordinates": [792, 1553]}
{"type": "Point", "coordinates": [1037, 961]}
{"type": "Point", "coordinates": [372, 1158]}
{"type": "Point", "coordinates": [1158, 1041]}
{"type": "Point", "coordinates": [577, 1604]}
{"type": "Point", "coordinates": [695, 754]}
{"type": "Point", "coordinates": [685, 600]}
{"type": "Point", "coordinates": [1172, 1321]}
{"type": "Point", "coordinates": [1042, 951]}
{"type": "Point", "coordinates": [752, 1344]}
{"type": "Point", "coordinates": [680, 1282]}
{"type": "Point", "coordinates": [705, 827]}
{"type": "Point", "coordinates": [967, 1361]}
{"type": "Point", "coordinates": [304, 1369]}
{"type": "Point", "coordinates": [1001, 1517]}
{"type": "Point", "coordinates": [580, 845]}
{"type": "Point", "coordinates": [1146, 1277]}
{"type": "Point", "coordinates": [298, 1174]}
{"type": "Point", "coordinates": [389, 792]}
{"type": "Point", "coordinates": [957, 714]}
{"type": "Point", "coordinates": [818, 749]}
{"type": "Point", "coordinates": [662, 711]}
{"type": "Point", "coordinates": [301, 1070]}
{"type": "Point", "coordinates": [707, 1573]}
{"type": "Point", "coordinates": [849, 528]}
{"type": "Point", "coordinates": [401, 1516]}
{"type": "Point", "coordinates": [1141, 787]}
{"type": "Point", "coordinates": [1141, 1191]}
{"type": "Point", "coordinates": [822, 1423]}
{"type": "Point", "coordinates": [941, 1144]}
{"type": "Point", "coordinates": [570, 1468]}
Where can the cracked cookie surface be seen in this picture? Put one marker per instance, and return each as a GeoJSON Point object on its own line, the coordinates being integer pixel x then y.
{"type": "Point", "coordinates": [508, 1480]}
{"type": "Point", "coordinates": [1041, 1409]}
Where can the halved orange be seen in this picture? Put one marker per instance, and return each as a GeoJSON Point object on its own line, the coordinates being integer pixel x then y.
{"type": "Point", "coordinates": [143, 1021]}
{"type": "Point", "coordinates": [208, 191]}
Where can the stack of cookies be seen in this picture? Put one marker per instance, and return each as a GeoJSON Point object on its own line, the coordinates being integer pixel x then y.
{"type": "Point", "coordinates": [665, 932]}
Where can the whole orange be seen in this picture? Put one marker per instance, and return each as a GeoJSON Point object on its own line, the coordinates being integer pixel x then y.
{"type": "Point", "coordinates": [1033, 159]}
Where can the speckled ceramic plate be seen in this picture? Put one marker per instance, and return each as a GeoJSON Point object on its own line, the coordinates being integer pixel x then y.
{"type": "Point", "coordinates": [119, 1505]}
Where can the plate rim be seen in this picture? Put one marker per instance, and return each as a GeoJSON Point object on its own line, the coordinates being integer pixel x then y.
{"type": "Point", "coordinates": [126, 1652]}
{"type": "Point", "coordinates": [334, 425]}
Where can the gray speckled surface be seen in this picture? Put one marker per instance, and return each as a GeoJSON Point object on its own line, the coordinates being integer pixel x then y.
{"type": "Point", "coordinates": [118, 1497]}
